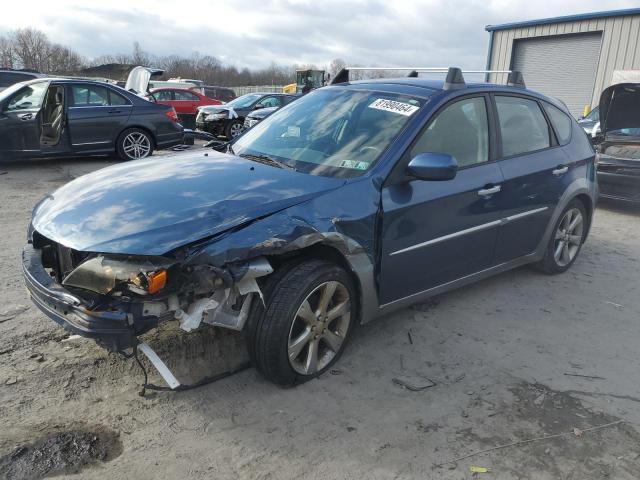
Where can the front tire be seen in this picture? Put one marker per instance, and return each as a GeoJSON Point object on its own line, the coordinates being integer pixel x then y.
{"type": "Point", "coordinates": [566, 240]}
{"type": "Point", "coordinates": [308, 319]}
{"type": "Point", "coordinates": [234, 129]}
{"type": "Point", "coordinates": [134, 144]}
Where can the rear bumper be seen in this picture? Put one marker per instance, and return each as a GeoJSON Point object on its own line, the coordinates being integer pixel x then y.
{"type": "Point", "coordinates": [168, 140]}
{"type": "Point", "coordinates": [110, 328]}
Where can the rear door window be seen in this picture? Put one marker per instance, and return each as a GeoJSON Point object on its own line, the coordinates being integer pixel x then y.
{"type": "Point", "coordinates": [89, 96]}
{"type": "Point", "coordinates": [522, 125]}
{"type": "Point", "coordinates": [461, 130]}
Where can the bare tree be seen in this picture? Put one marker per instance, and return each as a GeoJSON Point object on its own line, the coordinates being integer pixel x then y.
{"type": "Point", "coordinates": [7, 53]}
{"type": "Point", "coordinates": [31, 48]}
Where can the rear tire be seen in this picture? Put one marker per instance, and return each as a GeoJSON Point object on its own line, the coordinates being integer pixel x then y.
{"type": "Point", "coordinates": [308, 319]}
{"type": "Point", "coordinates": [134, 144]}
{"type": "Point", "coordinates": [566, 239]}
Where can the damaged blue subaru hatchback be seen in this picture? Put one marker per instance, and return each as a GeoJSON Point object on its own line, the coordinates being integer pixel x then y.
{"type": "Point", "coordinates": [357, 199]}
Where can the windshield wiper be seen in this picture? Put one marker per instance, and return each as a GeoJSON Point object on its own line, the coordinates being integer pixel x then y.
{"type": "Point", "coordinates": [267, 160]}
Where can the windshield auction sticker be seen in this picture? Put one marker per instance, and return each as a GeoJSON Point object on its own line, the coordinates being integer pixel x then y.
{"type": "Point", "coordinates": [401, 108]}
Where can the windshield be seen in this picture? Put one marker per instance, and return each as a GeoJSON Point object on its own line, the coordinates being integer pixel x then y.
{"type": "Point", "coordinates": [245, 100]}
{"type": "Point", "coordinates": [7, 92]}
{"type": "Point", "coordinates": [332, 131]}
{"type": "Point", "coordinates": [593, 115]}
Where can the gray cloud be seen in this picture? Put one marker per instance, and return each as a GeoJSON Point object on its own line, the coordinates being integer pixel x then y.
{"type": "Point", "coordinates": [413, 33]}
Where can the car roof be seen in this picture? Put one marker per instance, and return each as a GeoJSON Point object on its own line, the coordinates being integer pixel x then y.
{"type": "Point", "coordinates": [68, 80]}
{"type": "Point", "coordinates": [429, 87]}
{"type": "Point", "coordinates": [24, 72]}
{"type": "Point", "coordinates": [182, 89]}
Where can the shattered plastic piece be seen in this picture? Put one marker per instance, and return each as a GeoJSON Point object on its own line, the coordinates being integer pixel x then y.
{"type": "Point", "coordinates": [415, 383]}
{"type": "Point", "coordinates": [479, 469]}
{"type": "Point", "coordinates": [191, 320]}
{"type": "Point", "coordinates": [160, 366]}
{"type": "Point", "coordinates": [224, 316]}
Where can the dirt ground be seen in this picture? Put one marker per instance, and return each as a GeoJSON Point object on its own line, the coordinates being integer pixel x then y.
{"type": "Point", "coordinates": [516, 357]}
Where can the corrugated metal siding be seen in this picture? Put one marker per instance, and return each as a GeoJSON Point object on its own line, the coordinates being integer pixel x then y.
{"type": "Point", "coordinates": [562, 66]}
{"type": "Point", "coordinates": [620, 46]}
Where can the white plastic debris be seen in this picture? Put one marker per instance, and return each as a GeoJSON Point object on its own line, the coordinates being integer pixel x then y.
{"type": "Point", "coordinates": [192, 318]}
{"type": "Point", "coordinates": [160, 366]}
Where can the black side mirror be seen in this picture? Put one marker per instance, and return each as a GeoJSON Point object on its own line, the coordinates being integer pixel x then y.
{"type": "Point", "coordinates": [433, 166]}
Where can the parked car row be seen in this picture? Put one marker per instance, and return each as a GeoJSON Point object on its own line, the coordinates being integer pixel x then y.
{"type": "Point", "coordinates": [55, 117]}
{"type": "Point", "coordinates": [42, 116]}
{"type": "Point", "coordinates": [228, 120]}
{"type": "Point", "coordinates": [354, 200]}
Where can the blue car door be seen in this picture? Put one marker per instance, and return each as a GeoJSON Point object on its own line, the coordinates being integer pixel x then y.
{"type": "Point", "coordinates": [535, 170]}
{"type": "Point", "coordinates": [434, 232]}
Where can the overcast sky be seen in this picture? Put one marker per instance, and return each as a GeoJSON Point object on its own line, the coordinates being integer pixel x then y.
{"type": "Point", "coordinates": [255, 32]}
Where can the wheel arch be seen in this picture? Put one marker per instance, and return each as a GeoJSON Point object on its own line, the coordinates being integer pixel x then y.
{"type": "Point", "coordinates": [589, 207]}
{"type": "Point", "coordinates": [139, 127]}
{"type": "Point", "coordinates": [323, 251]}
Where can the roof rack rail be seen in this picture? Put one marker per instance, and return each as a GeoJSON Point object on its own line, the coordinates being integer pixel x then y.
{"type": "Point", "coordinates": [454, 78]}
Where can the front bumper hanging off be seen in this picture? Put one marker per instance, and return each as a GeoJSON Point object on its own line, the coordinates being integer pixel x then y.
{"type": "Point", "coordinates": [110, 328]}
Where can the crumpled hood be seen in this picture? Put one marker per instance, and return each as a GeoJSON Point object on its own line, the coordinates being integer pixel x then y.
{"type": "Point", "coordinates": [620, 107]}
{"type": "Point", "coordinates": [152, 206]}
{"type": "Point", "coordinates": [207, 109]}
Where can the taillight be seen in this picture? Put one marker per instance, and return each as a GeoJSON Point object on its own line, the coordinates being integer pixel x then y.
{"type": "Point", "coordinates": [172, 114]}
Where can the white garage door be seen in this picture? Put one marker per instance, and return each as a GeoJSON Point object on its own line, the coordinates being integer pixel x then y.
{"type": "Point", "coordinates": [563, 67]}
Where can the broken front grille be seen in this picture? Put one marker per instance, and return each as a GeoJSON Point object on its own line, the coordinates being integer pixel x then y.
{"type": "Point", "coordinates": [57, 258]}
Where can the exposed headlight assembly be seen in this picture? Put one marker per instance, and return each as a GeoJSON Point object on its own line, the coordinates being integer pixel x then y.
{"type": "Point", "coordinates": [102, 275]}
{"type": "Point", "coordinates": [216, 116]}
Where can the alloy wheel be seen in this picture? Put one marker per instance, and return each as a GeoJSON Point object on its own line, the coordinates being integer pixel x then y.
{"type": "Point", "coordinates": [319, 328]}
{"type": "Point", "coordinates": [136, 145]}
{"type": "Point", "coordinates": [235, 130]}
{"type": "Point", "coordinates": [568, 237]}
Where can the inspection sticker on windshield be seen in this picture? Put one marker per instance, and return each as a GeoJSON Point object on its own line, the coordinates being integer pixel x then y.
{"type": "Point", "coordinates": [405, 109]}
{"type": "Point", "coordinates": [354, 164]}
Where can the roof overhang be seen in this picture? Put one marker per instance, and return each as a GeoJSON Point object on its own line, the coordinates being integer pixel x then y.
{"type": "Point", "coordinates": [564, 19]}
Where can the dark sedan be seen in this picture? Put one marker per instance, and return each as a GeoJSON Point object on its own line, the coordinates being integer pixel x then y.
{"type": "Point", "coordinates": [55, 117]}
{"type": "Point", "coordinates": [619, 143]}
{"type": "Point", "coordinates": [228, 120]}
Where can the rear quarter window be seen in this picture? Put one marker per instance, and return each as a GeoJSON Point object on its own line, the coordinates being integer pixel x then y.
{"type": "Point", "coordinates": [561, 123]}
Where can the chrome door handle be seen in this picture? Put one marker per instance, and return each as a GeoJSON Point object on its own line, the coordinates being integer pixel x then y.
{"type": "Point", "coordinates": [561, 170]}
{"type": "Point", "coordinates": [26, 116]}
{"type": "Point", "coordinates": [489, 191]}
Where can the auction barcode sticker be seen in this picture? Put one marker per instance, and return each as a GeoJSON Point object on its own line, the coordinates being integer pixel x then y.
{"type": "Point", "coordinates": [405, 109]}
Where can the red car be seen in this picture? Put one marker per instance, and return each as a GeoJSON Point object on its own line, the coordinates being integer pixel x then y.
{"type": "Point", "coordinates": [185, 102]}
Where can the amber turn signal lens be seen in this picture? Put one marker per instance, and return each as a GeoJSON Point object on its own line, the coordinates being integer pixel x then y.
{"type": "Point", "coordinates": [157, 281]}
